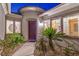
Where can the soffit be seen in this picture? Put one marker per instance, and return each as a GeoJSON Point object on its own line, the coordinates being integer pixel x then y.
{"type": "Point", "coordinates": [13, 17]}
{"type": "Point", "coordinates": [60, 8]}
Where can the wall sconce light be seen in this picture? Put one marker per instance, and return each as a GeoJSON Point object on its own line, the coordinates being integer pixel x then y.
{"type": "Point", "coordinates": [40, 24]}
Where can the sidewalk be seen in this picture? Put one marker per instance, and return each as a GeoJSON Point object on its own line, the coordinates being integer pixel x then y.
{"type": "Point", "coordinates": [26, 50]}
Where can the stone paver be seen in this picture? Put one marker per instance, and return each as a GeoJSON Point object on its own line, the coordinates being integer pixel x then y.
{"type": "Point", "coordinates": [26, 50]}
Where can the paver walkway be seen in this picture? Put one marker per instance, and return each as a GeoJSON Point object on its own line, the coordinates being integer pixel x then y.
{"type": "Point", "coordinates": [26, 50]}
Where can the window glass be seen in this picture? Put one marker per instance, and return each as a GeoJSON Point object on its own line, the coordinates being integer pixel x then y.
{"type": "Point", "coordinates": [9, 26]}
{"type": "Point", "coordinates": [76, 27]}
{"type": "Point", "coordinates": [17, 26]}
{"type": "Point", "coordinates": [54, 25]}
{"type": "Point", "coordinates": [46, 23]}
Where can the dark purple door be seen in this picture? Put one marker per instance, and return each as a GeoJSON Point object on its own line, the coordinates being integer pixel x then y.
{"type": "Point", "coordinates": [32, 30]}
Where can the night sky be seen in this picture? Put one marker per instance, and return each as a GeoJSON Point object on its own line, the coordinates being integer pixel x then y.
{"type": "Point", "coordinates": [15, 7]}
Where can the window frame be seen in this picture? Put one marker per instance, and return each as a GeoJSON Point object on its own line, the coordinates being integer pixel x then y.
{"type": "Point", "coordinates": [14, 30]}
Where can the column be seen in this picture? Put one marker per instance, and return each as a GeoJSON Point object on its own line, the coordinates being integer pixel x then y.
{"type": "Point", "coordinates": [61, 24]}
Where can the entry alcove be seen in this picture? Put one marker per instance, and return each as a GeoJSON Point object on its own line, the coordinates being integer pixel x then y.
{"type": "Point", "coordinates": [29, 22]}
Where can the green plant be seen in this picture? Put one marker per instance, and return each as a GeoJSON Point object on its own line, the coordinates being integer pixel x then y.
{"type": "Point", "coordinates": [10, 42]}
{"type": "Point", "coordinates": [7, 45]}
{"type": "Point", "coordinates": [40, 47]}
{"type": "Point", "coordinates": [68, 51]}
{"type": "Point", "coordinates": [52, 34]}
{"type": "Point", "coordinates": [16, 38]}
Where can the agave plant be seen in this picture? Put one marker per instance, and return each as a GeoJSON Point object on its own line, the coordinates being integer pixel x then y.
{"type": "Point", "coordinates": [52, 34]}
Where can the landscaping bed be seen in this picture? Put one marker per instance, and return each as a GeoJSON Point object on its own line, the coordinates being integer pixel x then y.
{"type": "Point", "coordinates": [11, 43]}
{"type": "Point", "coordinates": [53, 43]}
{"type": "Point", "coordinates": [59, 49]}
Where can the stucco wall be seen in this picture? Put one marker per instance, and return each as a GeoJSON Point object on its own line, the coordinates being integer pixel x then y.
{"type": "Point", "coordinates": [25, 20]}
{"type": "Point", "coordinates": [25, 28]}
{"type": "Point", "coordinates": [39, 28]}
{"type": "Point", "coordinates": [2, 23]}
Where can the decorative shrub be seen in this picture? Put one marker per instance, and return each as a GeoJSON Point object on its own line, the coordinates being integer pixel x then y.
{"type": "Point", "coordinates": [40, 47]}
{"type": "Point", "coordinates": [16, 38]}
{"type": "Point", "coordinates": [47, 48]}
{"type": "Point", "coordinates": [10, 42]}
{"type": "Point", "coordinates": [52, 34]}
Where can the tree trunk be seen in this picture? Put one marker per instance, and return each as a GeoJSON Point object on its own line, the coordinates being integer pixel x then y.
{"type": "Point", "coordinates": [52, 47]}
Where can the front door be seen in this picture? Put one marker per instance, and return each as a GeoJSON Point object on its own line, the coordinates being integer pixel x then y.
{"type": "Point", "coordinates": [73, 27]}
{"type": "Point", "coordinates": [32, 30]}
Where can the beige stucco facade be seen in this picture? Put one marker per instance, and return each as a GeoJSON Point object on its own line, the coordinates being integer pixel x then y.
{"type": "Point", "coordinates": [2, 22]}
{"type": "Point", "coordinates": [29, 14]}
{"type": "Point", "coordinates": [50, 18]}
{"type": "Point", "coordinates": [4, 9]}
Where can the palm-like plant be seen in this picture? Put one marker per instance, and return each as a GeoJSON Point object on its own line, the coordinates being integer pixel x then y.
{"type": "Point", "coordinates": [52, 34]}
{"type": "Point", "coordinates": [40, 47]}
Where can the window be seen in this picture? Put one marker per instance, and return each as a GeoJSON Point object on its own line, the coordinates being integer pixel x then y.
{"type": "Point", "coordinates": [13, 26]}
{"type": "Point", "coordinates": [76, 27]}
{"type": "Point", "coordinates": [46, 23]}
{"type": "Point", "coordinates": [17, 26]}
{"type": "Point", "coordinates": [9, 26]}
{"type": "Point", "coordinates": [54, 24]}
